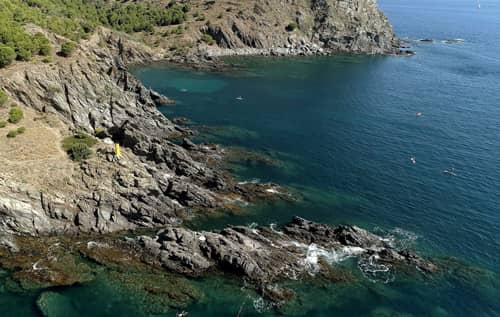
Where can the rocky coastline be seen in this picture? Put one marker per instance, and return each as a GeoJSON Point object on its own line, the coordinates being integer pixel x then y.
{"type": "Point", "coordinates": [158, 183]}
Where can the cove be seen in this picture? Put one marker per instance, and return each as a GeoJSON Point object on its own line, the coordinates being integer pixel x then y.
{"type": "Point", "coordinates": [342, 132]}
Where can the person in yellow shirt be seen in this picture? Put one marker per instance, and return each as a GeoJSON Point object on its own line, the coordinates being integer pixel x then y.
{"type": "Point", "coordinates": [118, 151]}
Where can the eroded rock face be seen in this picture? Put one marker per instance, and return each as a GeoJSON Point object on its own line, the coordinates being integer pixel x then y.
{"type": "Point", "coordinates": [319, 27]}
{"type": "Point", "coordinates": [154, 183]}
{"type": "Point", "coordinates": [266, 256]}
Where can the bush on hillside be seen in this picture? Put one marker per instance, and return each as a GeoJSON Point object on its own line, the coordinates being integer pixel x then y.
{"type": "Point", "coordinates": [207, 38]}
{"type": "Point", "coordinates": [12, 134]}
{"type": "Point", "coordinates": [79, 152]}
{"type": "Point", "coordinates": [15, 115]}
{"type": "Point", "coordinates": [79, 137]}
{"type": "Point", "coordinates": [67, 49]}
{"type": "Point", "coordinates": [43, 45]}
{"type": "Point", "coordinates": [7, 55]}
{"type": "Point", "coordinates": [3, 124]}
{"type": "Point", "coordinates": [78, 146]}
{"type": "Point", "coordinates": [21, 130]}
{"type": "Point", "coordinates": [292, 27]}
{"type": "Point", "coordinates": [3, 97]}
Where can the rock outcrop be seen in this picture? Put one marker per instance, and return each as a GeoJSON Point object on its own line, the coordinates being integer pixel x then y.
{"type": "Point", "coordinates": [266, 256]}
{"type": "Point", "coordinates": [297, 27]}
{"type": "Point", "coordinates": [155, 182]}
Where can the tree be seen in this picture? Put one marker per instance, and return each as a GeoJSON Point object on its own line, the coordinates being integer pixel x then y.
{"type": "Point", "coordinates": [7, 55]}
{"type": "Point", "coordinates": [43, 44]}
{"type": "Point", "coordinates": [67, 49]}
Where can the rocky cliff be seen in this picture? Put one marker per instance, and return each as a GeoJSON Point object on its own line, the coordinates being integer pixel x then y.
{"type": "Point", "coordinates": [158, 182]}
{"type": "Point", "coordinates": [154, 183]}
{"type": "Point", "coordinates": [93, 92]}
{"type": "Point", "coordinates": [293, 27]}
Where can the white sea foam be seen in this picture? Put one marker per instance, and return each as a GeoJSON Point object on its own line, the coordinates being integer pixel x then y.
{"type": "Point", "coordinates": [252, 181]}
{"type": "Point", "coordinates": [313, 254]}
{"type": "Point", "coordinates": [272, 226]}
{"type": "Point", "coordinates": [238, 201]}
{"type": "Point", "coordinates": [35, 266]}
{"type": "Point", "coordinates": [253, 227]}
{"type": "Point", "coordinates": [93, 244]}
{"type": "Point", "coordinates": [260, 305]}
{"type": "Point", "coordinates": [272, 191]}
{"type": "Point", "coordinates": [398, 238]}
{"type": "Point", "coordinates": [375, 271]}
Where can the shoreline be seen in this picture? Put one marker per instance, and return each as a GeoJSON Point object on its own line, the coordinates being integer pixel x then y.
{"type": "Point", "coordinates": [158, 181]}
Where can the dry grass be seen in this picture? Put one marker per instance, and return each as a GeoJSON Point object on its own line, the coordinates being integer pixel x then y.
{"type": "Point", "coordinates": [34, 157]}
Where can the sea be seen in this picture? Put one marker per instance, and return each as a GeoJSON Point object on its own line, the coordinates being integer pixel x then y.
{"type": "Point", "coordinates": [405, 146]}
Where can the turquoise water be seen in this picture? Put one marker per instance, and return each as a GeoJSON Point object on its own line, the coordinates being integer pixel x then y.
{"type": "Point", "coordinates": [341, 131]}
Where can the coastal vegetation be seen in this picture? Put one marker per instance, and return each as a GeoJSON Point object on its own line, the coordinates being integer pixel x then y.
{"type": "Point", "coordinates": [207, 38]}
{"type": "Point", "coordinates": [79, 146]}
{"type": "Point", "coordinates": [16, 114]}
{"type": "Point", "coordinates": [12, 134]}
{"type": "Point", "coordinates": [73, 19]}
{"type": "Point", "coordinates": [67, 49]}
{"type": "Point", "coordinates": [3, 97]}
{"type": "Point", "coordinates": [16, 132]}
{"type": "Point", "coordinates": [7, 55]}
{"type": "Point", "coordinates": [292, 27]}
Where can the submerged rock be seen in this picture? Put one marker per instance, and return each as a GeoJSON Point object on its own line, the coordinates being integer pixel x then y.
{"type": "Point", "coordinates": [52, 304]}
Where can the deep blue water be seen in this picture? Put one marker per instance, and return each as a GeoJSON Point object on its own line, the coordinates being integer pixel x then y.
{"type": "Point", "coordinates": [346, 127]}
{"type": "Point", "coordinates": [343, 130]}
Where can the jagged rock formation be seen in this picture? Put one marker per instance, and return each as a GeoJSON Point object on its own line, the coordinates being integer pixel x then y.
{"type": "Point", "coordinates": [296, 27]}
{"type": "Point", "coordinates": [266, 256]}
{"type": "Point", "coordinates": [156, 180]}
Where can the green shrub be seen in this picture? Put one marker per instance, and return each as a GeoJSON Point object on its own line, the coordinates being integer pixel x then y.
{"type": "Point", "coordinates": [12, 134]}
{"type": "Point", "coordinates": [292, 27]}
{"type": "Point", "coordinates": [100, 132]}
{"type": "Point", "coordinates": [207, 38]}
{"type": "Point", "coordinates": [3, 124]}
{"type": "Point", "coordinates": [15, 115]}
{"type": "Point", "coordinates": [23, 54]}
{"type": "Point", "coordinates": [67, 49]}
{"type": "Point", "coordinates": [43, 44]}
{"type": "Point", "coordinates": [7, 55]}
{"type": "Point", "coordinates": [79, 137]}
{"type": "Point", "coordinates": [78, 146]}
{"type": "Point", "coordinates": [3, 97]}
{"type": "Point", "coordinates": [79, 152]}
{"type": "Point", "coordinates": [21, 130]}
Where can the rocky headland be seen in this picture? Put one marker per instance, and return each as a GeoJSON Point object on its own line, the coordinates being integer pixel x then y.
{"type": "Point", "coordinates": [159, 182]}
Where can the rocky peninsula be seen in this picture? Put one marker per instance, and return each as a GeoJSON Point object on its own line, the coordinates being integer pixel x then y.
{"type": "Point", "coordinates": [158, 182]}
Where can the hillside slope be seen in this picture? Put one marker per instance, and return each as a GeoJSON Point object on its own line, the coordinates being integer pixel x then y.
{"type": "Point", "coordinates": [291, 27]}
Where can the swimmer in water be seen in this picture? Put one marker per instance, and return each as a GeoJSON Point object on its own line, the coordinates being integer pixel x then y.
{"type": "Point", "coordinates": [450, 172]}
